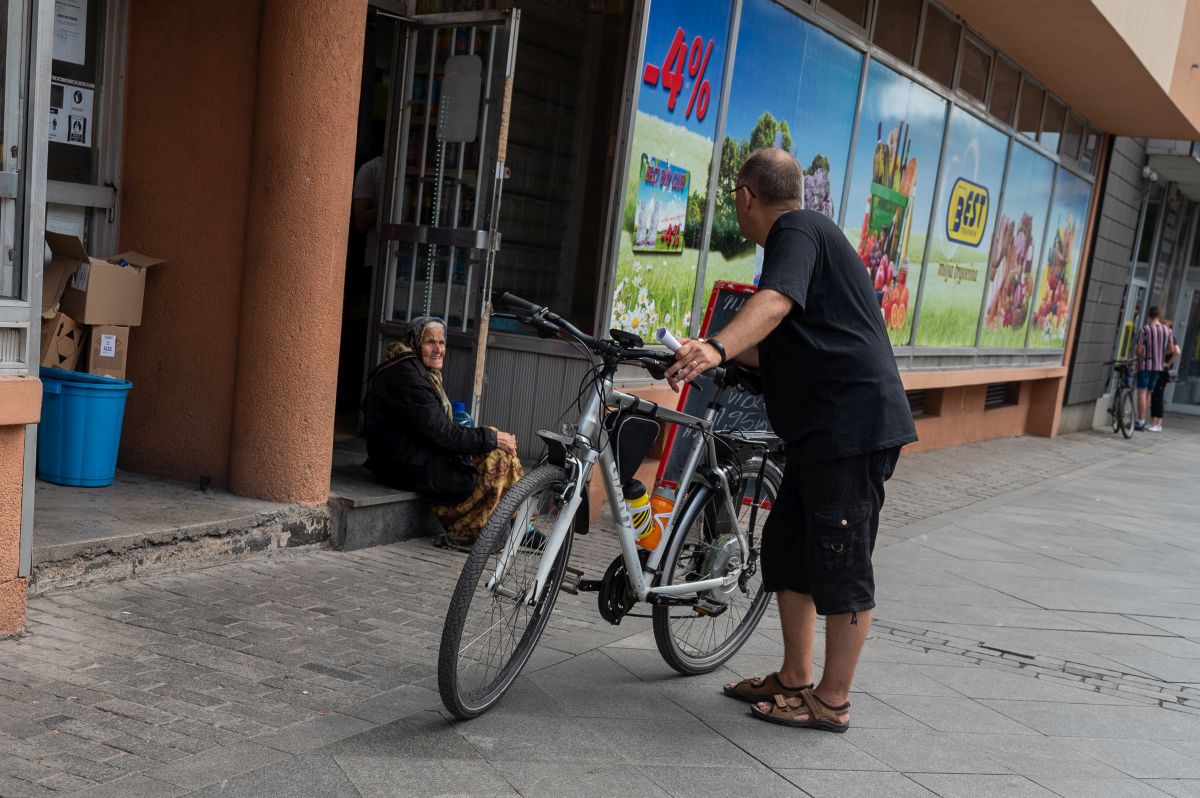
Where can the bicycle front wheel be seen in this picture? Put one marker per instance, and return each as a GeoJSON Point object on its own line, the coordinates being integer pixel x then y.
{"type": "Point", "coordinates": [698, 639]}
{"type": "Point", "coordinates": [1126, 413]}
{"type": "Point", "coordinates": [490, 633]}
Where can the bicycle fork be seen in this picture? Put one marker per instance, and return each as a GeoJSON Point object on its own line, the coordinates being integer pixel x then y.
{"type": "Point", "coordinates": [562, 527]}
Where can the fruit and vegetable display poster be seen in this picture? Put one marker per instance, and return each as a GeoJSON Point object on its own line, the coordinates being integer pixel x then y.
{"type": "Point", "coordinates": [969, 192]}
{"type": "Point", "coordinates": [891, 189]}
{"type": "Point", "coordinates": [1060, 265]}
{"type": "Point", "coordinates": [794, 86]}
{"type": "Point", "coordinates": [670, 158]}
{"type": "Point", "coordinates": [1016, 248]}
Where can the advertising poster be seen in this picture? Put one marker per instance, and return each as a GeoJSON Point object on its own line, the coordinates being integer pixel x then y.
{"type": "Point", "coordinates": [1016, 248]}
{"type": "Point", "coordinates": [660, 217]}
{"type": "Point", "coordinates": [801, 99]}
{"type": "Point", "coordinates": [891, 190]}
{"type": "Point", "coordinates": [1056, 286]}
{"type": "Point", "coordinates": [969, 192]}
{"type": "Point", "coordinates": [674, 133]}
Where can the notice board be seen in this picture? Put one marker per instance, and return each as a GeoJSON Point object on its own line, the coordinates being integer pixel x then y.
{"type": "Point", "coordinates": [742, 411]}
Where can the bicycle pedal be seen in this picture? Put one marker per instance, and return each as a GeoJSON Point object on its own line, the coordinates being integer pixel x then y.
{"type": "Point", "coordinates": [570, 581]}
{"type": "Point", "coordinates": [589, 585]}
{"type": "Point", "coordinates": [709, 608]}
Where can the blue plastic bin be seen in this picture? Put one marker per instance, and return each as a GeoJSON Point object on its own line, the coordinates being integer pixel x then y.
{"type": "Point", "coordinates": [80, 430]}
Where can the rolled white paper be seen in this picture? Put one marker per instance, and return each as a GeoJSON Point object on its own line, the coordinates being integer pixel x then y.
{"type": "Point", "coordinates": [666, 339]}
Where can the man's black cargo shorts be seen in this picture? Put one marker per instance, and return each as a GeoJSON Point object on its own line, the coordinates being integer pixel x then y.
{"type": "Point", "coordinates": [820, 535]}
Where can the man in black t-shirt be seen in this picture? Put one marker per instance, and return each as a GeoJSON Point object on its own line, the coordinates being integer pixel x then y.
{"type": "Point", "coordinates": [834, 396]}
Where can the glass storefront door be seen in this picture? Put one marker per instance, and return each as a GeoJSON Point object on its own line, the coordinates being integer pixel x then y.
{"type": "Point", "coordinates": [1185, 393]}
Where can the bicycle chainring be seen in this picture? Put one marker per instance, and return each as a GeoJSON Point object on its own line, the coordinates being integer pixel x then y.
{"type": "Point", "coordinates": [616, 597]}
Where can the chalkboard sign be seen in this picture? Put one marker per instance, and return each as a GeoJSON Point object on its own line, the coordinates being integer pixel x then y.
{"type": "Point", "coordinates": [742, 411]}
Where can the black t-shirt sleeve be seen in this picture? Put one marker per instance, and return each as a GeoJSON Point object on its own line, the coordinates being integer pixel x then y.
{"type": "Point", "coordinates": [788, 265]}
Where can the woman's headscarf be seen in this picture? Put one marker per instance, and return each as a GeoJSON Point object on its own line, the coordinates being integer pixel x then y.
{"type": "Point", "coordinates": [410, 344]}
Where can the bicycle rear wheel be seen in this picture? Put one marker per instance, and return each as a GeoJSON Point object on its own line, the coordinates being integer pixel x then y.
{"type": "Point", "coordinates": [1125, 412]}
{"type": "Point", "coordinates": [489, 634]}
{"type": "Point", "coordinates": [695, 640]}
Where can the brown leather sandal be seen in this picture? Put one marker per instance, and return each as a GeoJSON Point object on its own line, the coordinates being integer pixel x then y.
{"type": "Point", "coordinates": [819, 714]}
{"type": "Point", "coordinates": [761, 688]}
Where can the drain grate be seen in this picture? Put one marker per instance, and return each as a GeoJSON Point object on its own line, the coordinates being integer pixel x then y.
{"type": "Point", "coordinates": [1132, 686]}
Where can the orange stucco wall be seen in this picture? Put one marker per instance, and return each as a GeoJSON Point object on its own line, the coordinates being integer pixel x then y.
{"type": "Point", "coordinates": [300, 186]}
{"type": "Point", "coordinates": [20, 404]}
{"type": "Point", "coordinates": [189, 115]}
{"type": "Point", "coordinates": [238, 165]}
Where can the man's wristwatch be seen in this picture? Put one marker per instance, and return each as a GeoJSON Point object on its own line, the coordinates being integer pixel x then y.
{"type": "Point", "coordinates": [717, 345]}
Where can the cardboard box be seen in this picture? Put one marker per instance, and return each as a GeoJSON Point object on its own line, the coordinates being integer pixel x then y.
{"type": "Point", "coordinates": [66, 252]}
{"type": "Point", "coordinates": [62, 342]}
{"type": "Point", "coordinates": [108, 292]}
{"type": "Point", "coordinates": [108, 350]}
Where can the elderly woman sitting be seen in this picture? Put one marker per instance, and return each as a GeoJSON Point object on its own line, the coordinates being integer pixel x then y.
{"type": "Point", "coordinates": [413, 444]}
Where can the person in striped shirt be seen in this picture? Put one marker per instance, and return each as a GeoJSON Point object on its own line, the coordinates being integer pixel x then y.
{"type": "Point", "coordinates": [1154, 341]}
{"type": "Point", "coordinates": [1157, 396]}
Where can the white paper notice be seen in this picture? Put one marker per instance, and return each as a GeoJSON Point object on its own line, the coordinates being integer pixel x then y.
{"type": "Point", "coordinates": [71, 114]}
{"type": "Point", "coordinates": [70, 31]}
{"type": "Point", "coordinates": [108, 346]}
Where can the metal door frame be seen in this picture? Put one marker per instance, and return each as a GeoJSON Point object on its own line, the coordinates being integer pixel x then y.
{"type": "Point", "coordinates": [485, 238]}
{"type": "Point", "coordinates": [25, 174]}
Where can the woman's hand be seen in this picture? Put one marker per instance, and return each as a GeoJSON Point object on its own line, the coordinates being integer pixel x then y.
{"type": "Point", "coordinates": [507, 442]}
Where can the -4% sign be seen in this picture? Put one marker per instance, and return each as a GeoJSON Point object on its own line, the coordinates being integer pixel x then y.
{"type": "Point", "coordinates": [681, 56]}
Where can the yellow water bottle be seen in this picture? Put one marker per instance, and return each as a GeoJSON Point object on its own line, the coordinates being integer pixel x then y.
{"type": "Point", "coordinates": [638, 502]}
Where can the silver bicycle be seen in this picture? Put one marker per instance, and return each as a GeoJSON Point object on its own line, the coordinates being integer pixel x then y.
{"type": "Point", "coordinates": [702, 582]}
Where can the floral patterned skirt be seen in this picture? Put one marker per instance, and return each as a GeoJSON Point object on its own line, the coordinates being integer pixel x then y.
{"type": "Point", "coordinates": [498, 471]}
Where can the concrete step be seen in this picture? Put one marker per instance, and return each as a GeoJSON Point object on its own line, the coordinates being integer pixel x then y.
{"type": "Point", "coordinates": [365, 513]}
{"type": "Point", "coordinates": [142, 525]}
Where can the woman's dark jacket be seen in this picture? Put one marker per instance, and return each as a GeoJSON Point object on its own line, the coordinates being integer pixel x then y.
{"type": "Point", "coordinates": [411, 445]}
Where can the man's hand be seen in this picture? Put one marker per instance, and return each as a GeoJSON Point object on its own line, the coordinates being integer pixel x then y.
{"type": "Point", "coordinates": [692, 359]}
{"type": "Point", "coordinates": [507, 442]}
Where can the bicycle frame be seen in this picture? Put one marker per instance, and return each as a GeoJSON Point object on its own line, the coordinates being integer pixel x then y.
{"type": "Point", "coordinates": [588, 447]}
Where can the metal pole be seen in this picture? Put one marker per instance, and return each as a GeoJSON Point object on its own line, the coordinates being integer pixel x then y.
{"type": "Point", "coordinates": [485, 311]}
{"type": "Point", "coordinates": [710, 204]}
{"type": "Point", "coordinates": [33, 245]}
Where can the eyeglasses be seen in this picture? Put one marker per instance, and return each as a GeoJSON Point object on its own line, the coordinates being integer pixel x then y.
{"type": "Point", "coordinates": [734, 190]}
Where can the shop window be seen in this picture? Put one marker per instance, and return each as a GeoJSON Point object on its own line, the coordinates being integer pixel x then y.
{"type": "Point", "coordinates": [1091, 140]}
{"type": "Point", "coordinates": [1006, 80]}
{"type": "Point", "coordinates": [1029, 114]}
{"type": "Point", "coordinates": [1149, 226]}
{"type": "Point", "coordinates": [973, 76]}
{"type": "Point", "coordinates": [896, 24]}
{"type": "Point", "coordinates": [853, 10]}
{"type": "Point", "coordinates": [1071, 138]}
{"type": "Point", "coordinates": [1052, 124]}
{"type": "Point", "coordinates": [939, 46]}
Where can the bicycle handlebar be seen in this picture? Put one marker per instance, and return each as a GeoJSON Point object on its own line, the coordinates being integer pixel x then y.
{"type": "Point", "coordinates": [653, 360]}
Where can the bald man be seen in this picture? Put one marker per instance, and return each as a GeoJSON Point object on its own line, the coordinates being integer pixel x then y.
{"type": "Point", "coordinates": [833, 394]}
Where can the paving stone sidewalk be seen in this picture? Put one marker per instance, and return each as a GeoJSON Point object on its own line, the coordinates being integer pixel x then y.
{"type": "Point", "coordinates": [1038, 634]}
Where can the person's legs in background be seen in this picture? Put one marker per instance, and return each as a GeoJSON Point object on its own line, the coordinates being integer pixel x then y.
{"type": "Point", "coordinates": [1157, 401]}
{"type": "Point", "coordinates": [1145, 383]}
